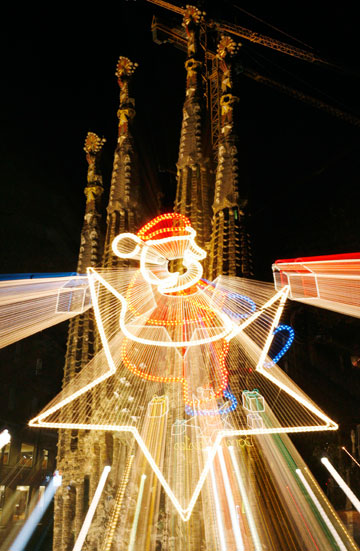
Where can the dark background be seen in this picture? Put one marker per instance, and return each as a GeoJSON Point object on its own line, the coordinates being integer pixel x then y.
{"type": "Point", "coordinates": [299, 166]}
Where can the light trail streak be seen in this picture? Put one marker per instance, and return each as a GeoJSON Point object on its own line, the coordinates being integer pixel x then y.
{"type": "Point", "coordinates": [94, 275]}
{"type": "Point", "coordinates": [274, 324]}
{"type": "Point", "coordinates": [345, 488]}
{"type": "Point", "coordinates": [91, 511]}
{"type": "Point", "coordinates": [302, 516]}
{"type": "Point", "coordinates": [321, 511]}
{"type": "Point", "coordinates": [244, 497]}
{"type": "Point", "coordinates": [230, 499]}
{"type": "Point", "coordinates": [117, 508]}
{"type": "Point", "coordinates": [27, 530]}
{"type": "Point", "coordinates": [4, 438]}
{"type": "Point", "coordinates": [137, 513]}
{"type": "Point", "coordinates": [341, 525]}
{"type": "Point", "coordinates": [218, 511]}
{"type": "Point", "coordinates": [349, 454]}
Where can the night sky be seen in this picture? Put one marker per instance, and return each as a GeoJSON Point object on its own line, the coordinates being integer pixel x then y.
{"type": "Point", "coordinates": [299, 166]}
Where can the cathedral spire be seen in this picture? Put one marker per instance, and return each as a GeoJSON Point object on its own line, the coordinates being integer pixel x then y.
{"type": "Point", "coordinates": [193, 197]}
{"type": "Point", "coordinates": [90, 246]}
{"type": "Point", "coordinates": [124, 71]}
{"type": "Point", "coordinates": [229, 250]}
{"type": "Point", "coordinates": [122, 210]}
{"type": "Point", "coordinates": [73, 447]}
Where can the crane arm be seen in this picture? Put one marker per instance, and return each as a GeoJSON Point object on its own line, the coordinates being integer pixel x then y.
{"type": "Point", "coordinates": [296, 94]}
{"type": "Point", "coordinates": [272, 43]}
{"type": "Point", "coordinates": [176, 37]}
{"type": "Point", "coordinates": [167, 6]}
{"type": "Point", "coordinates": [252, 36]}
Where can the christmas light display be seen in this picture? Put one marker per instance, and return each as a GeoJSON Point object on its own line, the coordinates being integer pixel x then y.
{"type": "Point", "coordinates": [174, 335]}
{"type": "Point", "coordinates": [38, 301]}
{"type": "Point", "coordinates": [187, 367]}
{"type": "Point", "coordinates": [331, 282]}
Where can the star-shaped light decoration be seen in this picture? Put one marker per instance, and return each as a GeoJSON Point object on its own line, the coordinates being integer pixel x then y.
{"type": "Point", "coordinates": [186, 364]}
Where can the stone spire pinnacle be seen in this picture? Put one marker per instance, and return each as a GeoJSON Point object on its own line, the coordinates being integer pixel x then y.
{"type": "Point", "coordinates": [122, 210]}
{"type": "Point", "coordinates": [229, 250]}
{"type": "Point", "coordinates": [90, 246]}
{"type": "Point", "coordinates": [124, 71]}
{"type": "Point", "coordinates": [193, 197]}
{"type": "Point", "coordinates": [74, 447]}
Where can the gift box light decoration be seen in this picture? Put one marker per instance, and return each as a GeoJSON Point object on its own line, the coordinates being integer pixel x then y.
{"type": "Point", "coordinates": [254, 420]}
{"type": "Point", "coordinates": [252, 400]}
{"type": "Point", "coordinates": [73, 297]}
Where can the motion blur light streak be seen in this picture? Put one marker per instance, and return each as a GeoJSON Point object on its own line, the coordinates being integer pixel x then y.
{"type": "Point", "coordinates": [340, 524]}
{"type": "Point", "coordinates": [244, 497]}
{"type": "Point", "coordinates": [302, 517]}
{"type": "Point", "coordinates": [91, 511]}
{"type": "Point", "coordinates": [218, 511]}
{"type": "Point", "coordinates": [330, 282]}
{"type": "Point", "coordinates": [321, 511]}
{"type": "Point", "coordinates": [345, 488]}
{"type": "Point", "coordinates": [31, 523]}
{"type": "Point", "coordinates": [28, 306]}
{"type": "Point", "coordinates": [4, 438]}
{"type": "Point", "coordinates": [231, 503]}
{"type": "Point", "coordinates": [137, 513]}
{"type": "Point", "coordinates": [349, 454]}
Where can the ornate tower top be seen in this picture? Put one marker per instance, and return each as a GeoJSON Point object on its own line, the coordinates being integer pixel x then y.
{"type": "Point", "coordinates": [124, 71]}
{"type": "Point", "coordinates": [229, 248]}
{"type": "Point", "coordinates": [192, 19]}
{"type": "Point", "coordinates": [93, 146]}
{"type": "Point", "coordinates": [122, 209]}
{"type": "Point", "coordinates": [194, 189]}
{"type": "Point", "coordinates": [227, 47]}
{"type": "Point", "coordinates": [226, 189]}
{"type": "Point", "coordinates": [91, 238]}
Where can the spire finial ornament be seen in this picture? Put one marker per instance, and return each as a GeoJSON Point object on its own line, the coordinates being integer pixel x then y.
{"type": "Point", "coordinates": [93, 146]}
{"type": "Point", "coordinates": [192, 19]}
{"type": "Point", "coordinates": [124, 70]}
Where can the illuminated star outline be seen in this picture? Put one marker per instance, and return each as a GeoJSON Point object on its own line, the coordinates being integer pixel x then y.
{"type": "Point", "coordinates": [185, 513]}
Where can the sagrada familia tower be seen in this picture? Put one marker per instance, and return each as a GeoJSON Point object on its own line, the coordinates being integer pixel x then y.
{"type": "Point", "coordinates": [209, 193]}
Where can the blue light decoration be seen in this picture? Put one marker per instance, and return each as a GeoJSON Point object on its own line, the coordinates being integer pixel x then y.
{"type": "Point", "coordinates": [286, 346]}
{"type": "Point", "coordinates": [249, 303]}
{"type": "Point", "coordinates": [227, 394]}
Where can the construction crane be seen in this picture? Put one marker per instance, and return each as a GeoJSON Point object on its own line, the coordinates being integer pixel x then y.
{"type": "Point", "coordinates": [250, 35]}
{"type": "Point", "coordinates": [176, 35]}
